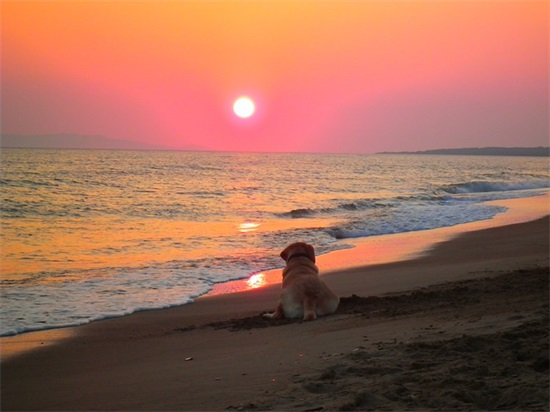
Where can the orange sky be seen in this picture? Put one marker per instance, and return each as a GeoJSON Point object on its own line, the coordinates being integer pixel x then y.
{"type": "Point", "coordinates": [339, 76]}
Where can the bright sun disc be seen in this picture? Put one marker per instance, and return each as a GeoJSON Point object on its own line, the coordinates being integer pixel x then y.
{"type": "Point", "coordinates": [244, 107]}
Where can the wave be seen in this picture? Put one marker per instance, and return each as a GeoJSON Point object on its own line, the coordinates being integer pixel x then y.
{"type": "Point", "coordinates": [91, 295]}
{"type": "Point", "coordinates": [416, 213]}
{"type": "Point", "coordinates": [483, 186]}
{"type": "Point", "coordinates": [27, 183]}
{"type": "Point", "coordinates": [202, 193]}
{"type": "Point", "coordinates": [442, 195]}
{"type": "Point", "coordinates": [416, 218]}
{"type": "Point", "coordinates": [82, 320]}
{"type": "Point", "coordinates": [298, 213]}
{"type": "Point", "coordinates": [358, 205]}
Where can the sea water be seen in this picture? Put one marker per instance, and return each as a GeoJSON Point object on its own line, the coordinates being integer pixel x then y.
{"type": "Point", "coordinates": [90, 234]}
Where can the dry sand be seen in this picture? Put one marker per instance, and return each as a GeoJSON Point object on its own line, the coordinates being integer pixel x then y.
{"type": "Point", "coordinates": [478, 341]}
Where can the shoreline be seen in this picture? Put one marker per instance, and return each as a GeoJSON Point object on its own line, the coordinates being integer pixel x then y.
{"type": "Point", "coordinates": [376, 250]}
{"type": "Point", "coordinates": [398, 247]}
{"type": "Point", "coordinates": [177, 358]}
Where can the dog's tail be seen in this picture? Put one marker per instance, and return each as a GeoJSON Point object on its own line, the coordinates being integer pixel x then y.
{"type": "Point", "coordinates": [310, 306]}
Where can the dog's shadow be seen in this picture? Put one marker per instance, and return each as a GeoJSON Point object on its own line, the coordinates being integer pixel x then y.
{"type": "Point", "coordinates": [251, 322]}
{"type": "Point", "coordinates": [248, 323]}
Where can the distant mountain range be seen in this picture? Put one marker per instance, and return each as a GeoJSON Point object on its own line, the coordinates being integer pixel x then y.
{"type": "Point", "coordinates": [73, 141]}
{"type": "Point", "coordinates": [485, 151]}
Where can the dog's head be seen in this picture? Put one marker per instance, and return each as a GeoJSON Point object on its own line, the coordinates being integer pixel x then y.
{"type": "Point", "coordinates": [298, 249]}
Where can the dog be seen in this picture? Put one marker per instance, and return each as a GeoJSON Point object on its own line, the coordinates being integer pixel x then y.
{"type": "Point", "coordinates": [304, 295]}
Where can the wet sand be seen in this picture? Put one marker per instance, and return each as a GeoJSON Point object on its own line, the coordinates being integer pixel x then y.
{"type": "Point", "coordinates": [461, 326]}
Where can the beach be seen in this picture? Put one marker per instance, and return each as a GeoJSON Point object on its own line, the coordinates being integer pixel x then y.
{"type": "Point", "coordinates": [462, 325]}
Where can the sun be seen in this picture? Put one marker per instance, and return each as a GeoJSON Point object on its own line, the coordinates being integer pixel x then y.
{"type": "Point", "coordinates": [244, 107]}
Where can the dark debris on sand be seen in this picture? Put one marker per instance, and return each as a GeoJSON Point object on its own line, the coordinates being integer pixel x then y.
{"type": "Point", "coordinates": [445, 295]}
{"type": "Point", "coordinates": [252, 322]}
{"type": "Point", "coordinates": [501, 371]}
{"type": "Point", "coordinates": [240, 324]}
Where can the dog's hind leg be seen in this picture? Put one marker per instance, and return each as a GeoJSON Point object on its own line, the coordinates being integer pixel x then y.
{"type": "Point", "coordinates": [278, 314]}
{"type": "Point", "coordinates": [310, 307]}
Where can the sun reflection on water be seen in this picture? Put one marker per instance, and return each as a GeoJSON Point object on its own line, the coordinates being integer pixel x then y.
{"type": "Point", "coordinates": [248, 227]}
{"type": "Point", "coordinates": [255, 281]}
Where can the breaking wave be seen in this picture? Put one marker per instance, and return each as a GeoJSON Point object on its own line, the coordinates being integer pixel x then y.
{"type": "Point", "coordinates": [483, 187]}
{"type": "Point", "coordinates": [358, 205]}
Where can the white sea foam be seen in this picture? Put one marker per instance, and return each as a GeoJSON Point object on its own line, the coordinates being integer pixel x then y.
{"type": "Point", "coordinates": [408, 220]}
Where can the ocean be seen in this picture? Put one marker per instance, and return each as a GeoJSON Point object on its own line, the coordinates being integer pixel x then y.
{"type": "Point", "coordinates": [91, 234]}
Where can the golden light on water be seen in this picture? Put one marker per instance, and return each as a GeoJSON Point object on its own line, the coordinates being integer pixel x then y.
{"type": "Point", "coordinates": [248, 227]}
{"type": "Point", "coordinates": [255, 281]}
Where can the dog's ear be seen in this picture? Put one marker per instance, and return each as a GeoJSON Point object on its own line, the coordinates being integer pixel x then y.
{"type": "Point", "coordinates": [310, 252]}
{"type": "Point", "coordinates": [284, 253]}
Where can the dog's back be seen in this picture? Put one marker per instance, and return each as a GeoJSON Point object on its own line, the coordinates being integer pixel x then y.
{"type": "Point", "coordinates": [304, 294]}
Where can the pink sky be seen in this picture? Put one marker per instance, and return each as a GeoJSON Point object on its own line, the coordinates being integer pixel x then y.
{"type": "Point", "coordinates": [361, 76]}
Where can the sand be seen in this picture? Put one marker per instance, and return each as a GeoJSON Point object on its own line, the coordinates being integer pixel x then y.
{"type": "Point", "coordinates": [463, 327]}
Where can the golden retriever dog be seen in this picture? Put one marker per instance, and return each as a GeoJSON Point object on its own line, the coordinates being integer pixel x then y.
{"type": "Point", "coordinates": [304, 295]}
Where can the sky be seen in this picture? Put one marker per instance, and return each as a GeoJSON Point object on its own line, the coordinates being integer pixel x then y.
{"type": "Point", "coordinates": [325, 76]}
